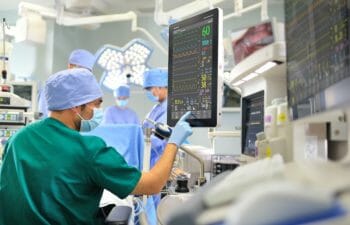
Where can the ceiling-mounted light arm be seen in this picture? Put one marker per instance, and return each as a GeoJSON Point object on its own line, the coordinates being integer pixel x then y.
{"type": "Point", "coordinates": [162, 18]}
{"type": "Point", "coordinates": [210, 4]}
{"type": "Point", "coordinates": [79, 21]}
{"type": "Point", "coordinates": [238, 6]}
{"type": "Point", "coordinates": [59, 11]}
{"type": "Point", "coordinates": [135, 27]}
{"type": "Point", "coordinates": [76, 20]}
{"type": "Point", "coordinates": [152, 39]}
{"type": "Point", "coordinates": [237, 13]}
{"type": "Point", "coordinates": [264, 11]}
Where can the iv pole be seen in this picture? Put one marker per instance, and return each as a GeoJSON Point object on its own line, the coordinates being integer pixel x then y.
{"type": "Point", "coordinates": [4, 58]}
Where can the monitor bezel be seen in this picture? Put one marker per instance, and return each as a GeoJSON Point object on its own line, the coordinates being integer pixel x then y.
{"type": "Point", "coordinates": [216, 79]}
{"type": "Point", "coordinates": [34, 95]}
{"type": "Point", "coordinates": [245, 116]}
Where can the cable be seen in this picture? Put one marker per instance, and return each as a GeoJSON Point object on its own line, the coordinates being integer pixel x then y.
{"type": "Point", "coordinates": [139, 208]}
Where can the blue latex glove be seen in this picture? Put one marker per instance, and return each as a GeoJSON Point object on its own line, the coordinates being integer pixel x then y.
{"type": "Point", "coordinates": [181, 131]}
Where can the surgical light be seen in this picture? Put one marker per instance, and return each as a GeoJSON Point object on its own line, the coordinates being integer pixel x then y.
{"type": "Point", "coordinates": [123, 65]}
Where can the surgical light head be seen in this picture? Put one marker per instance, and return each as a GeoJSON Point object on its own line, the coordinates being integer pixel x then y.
{"type": "Point", "coordinates": [155, 78]}
{"type": "Point", "coordinates": [122, 91]}
{"type": "Point", "coordinates": [69, 88]}
{"type": "Point", "coordinates": [82, 58]}
{"type": "Point", "coordinates": [123, 65]}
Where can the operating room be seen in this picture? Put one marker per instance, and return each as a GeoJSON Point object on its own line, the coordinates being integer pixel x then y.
{"type": "Point", "coordinates": [256, 133]}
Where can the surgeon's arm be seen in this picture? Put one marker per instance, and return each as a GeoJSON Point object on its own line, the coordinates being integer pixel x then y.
{"type": "Point", "coordinates": [153, 181]}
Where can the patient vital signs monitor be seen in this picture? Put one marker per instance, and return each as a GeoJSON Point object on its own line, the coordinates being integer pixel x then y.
{"type": "Point", "coordinates": [318, 62]}
{"type": "Point", "coordinates": [195, 69]}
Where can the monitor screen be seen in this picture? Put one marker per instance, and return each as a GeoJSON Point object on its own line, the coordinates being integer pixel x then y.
{"type": "Point", "coordinates": [247, 41]}
{"type": "Point", "coordinates": [252, 121]}
{"type": "Point", "coordinates": [26, 90]}
{"type": "Point", "coordinates": [195, 56]}
{"type": "Point", "coordinates": [23, 91]}
{"type": "Point", "coordinates": [317, 38]}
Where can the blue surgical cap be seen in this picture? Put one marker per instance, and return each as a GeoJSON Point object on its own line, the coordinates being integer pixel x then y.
{"type": "Point", "coordinates": [155, 78]}
{"type": "Point", "coordinates": [122, 91]}
{"type": "Point", "coordinates": [69, 88]}
{"type": "Point", "coordinates": [82, 58]}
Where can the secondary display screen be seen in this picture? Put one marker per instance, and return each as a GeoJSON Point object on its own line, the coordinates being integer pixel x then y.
{"type": "Point", "coordinates": [193, 69]}
{"type": "Point", "coordinates": [23, 91]}
{"type": "Point", "coordinates": [317, 37]}
{"type": "Point", "coordinates": [247, 41]}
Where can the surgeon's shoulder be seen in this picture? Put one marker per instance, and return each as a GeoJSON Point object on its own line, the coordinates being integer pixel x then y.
{"type": "Point", "coordinates": [93, 143]}
{"type": "Point", "coordinates": [34, 126]}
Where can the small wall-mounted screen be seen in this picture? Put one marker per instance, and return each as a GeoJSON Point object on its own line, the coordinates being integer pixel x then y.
{"type": "Point", "coordinates": [252, 121]}
{"type": "Point", "coordinates": [248, 40]}
{"type": "Point", "coordinates": [23, 91]}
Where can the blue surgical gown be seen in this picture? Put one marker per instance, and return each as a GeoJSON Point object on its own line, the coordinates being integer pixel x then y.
{"type": "Point", "coordinates": [117, 115]}
{"type": "Point", "coordinates": [157, 114]}
{"type": "Point", "coordinates": [127, 139]}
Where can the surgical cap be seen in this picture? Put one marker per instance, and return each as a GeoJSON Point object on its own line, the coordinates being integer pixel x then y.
{"type": "Point", "coordinates": [155, 78]}
{"type": "Point", "coordinates": [82, 58]}
{"type": "Point", "coordinates": [69, 88]}
{"type": "Point", "coordinates": [122, 91]}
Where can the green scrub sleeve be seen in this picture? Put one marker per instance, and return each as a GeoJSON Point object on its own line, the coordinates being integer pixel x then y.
{"type": "Point", "coordinates": [113, 173]}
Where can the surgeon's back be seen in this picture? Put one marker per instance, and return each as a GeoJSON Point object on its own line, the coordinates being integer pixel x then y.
{"type": "Point", "coordinates": [50, 180]}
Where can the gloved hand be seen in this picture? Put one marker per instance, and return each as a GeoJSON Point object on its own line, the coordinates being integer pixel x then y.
{"type": "Point", "coordinates": [181, 131]}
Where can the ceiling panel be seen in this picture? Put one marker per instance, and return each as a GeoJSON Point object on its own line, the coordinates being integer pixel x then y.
{"type": "Point", "coordinates": [13, 4]}
{"type": "Point", "coordinates": [121, 6]}
{"type": "Point", "coordinates": [106, 6]}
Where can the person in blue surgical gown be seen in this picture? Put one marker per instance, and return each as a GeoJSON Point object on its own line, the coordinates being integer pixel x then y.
{"type": "Point", "coordinates": [120, 113]}
{"type": "Point", "coordinates": [156, 84]}
{"type": "Point", "coordinates": [79, 58]}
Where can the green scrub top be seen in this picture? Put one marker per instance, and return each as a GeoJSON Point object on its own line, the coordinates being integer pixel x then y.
{"type": "Point", "coordinates": [52, 174]}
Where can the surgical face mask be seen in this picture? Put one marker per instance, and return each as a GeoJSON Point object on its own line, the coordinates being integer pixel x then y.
{"type": "Point", "coordinates": [122, 102]}
{"type": "Point", "coordinates": [151, 97]}
{"type": "Point", "coordinates": [89, 125]}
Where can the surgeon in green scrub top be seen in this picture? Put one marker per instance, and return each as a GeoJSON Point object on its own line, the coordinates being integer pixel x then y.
{"type": "Point", "coordinates": [51, 174]}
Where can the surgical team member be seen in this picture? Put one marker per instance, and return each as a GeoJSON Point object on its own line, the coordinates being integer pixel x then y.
{"type": "Point", "coordinates": [156, 84]}
{"type": "Point", "coordinates": [78, 58]}
{"type": "Point", "coordinates": [81, 58]}
{"type": "Point", "coordinates": [120, 113]}
{"type": "Point", "coordinates": [51, 174]}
